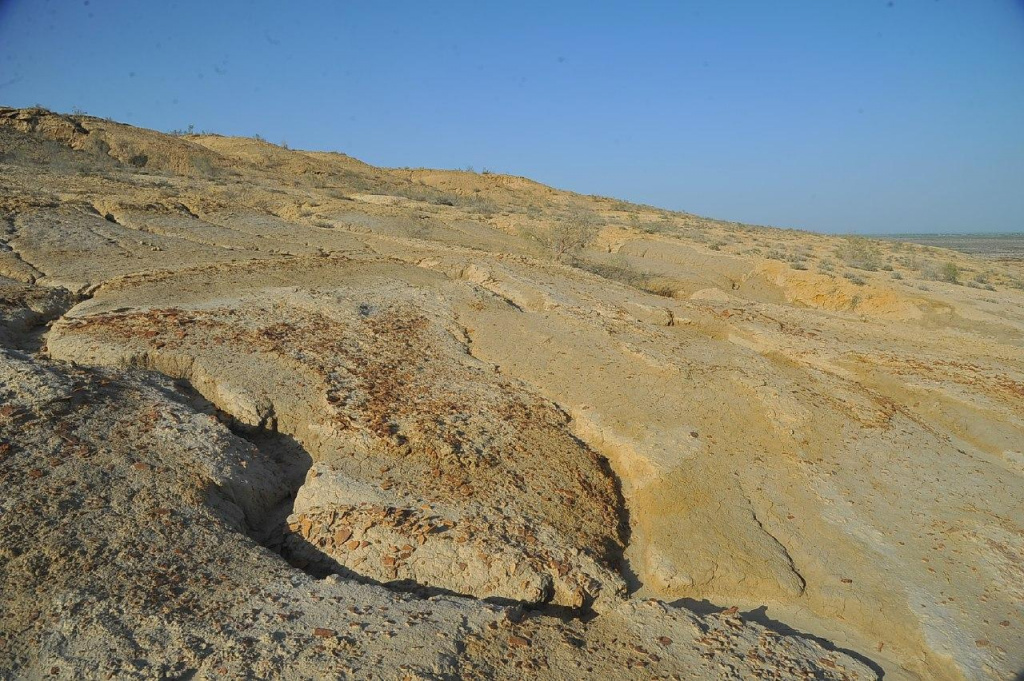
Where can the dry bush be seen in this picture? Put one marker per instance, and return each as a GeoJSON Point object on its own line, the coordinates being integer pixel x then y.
{"type": "Point", "coordinates": [622, 271]}
{"type": "Point", "coordinates": [860, 253]}
{"type": "Point", "coordinates": [574, 232]}
{"type": "Point", "coordinates": [855, 279]}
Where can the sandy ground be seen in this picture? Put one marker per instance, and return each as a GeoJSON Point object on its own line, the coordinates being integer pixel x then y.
{"type": "Point", "coordinates": [283, 413]}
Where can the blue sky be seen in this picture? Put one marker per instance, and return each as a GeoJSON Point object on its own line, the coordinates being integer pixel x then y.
{"type": "Point", "coordinates": [837, 115]}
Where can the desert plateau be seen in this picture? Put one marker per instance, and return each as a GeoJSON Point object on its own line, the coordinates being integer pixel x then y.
{"type": "Point", "coordinates": [267, 413]}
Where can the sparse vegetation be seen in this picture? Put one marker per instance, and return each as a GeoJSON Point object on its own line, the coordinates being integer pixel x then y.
{"type": "Point", "coordinates": [576, 230]}
{"type": "Point", "coordinates": [622, 271]}
{"type": "Point", "coordinates": [656, 226]}
{"type": "Point", "coordinates": [948, 272]}
{"type": "Point", "coordinates": [860, 253]}
{"type": "Point", "coordinates": [420, 192]}
{"type": "Point", "coordinates": [477, 204]}
{"type": "Point", "coordinates": [854, 278]}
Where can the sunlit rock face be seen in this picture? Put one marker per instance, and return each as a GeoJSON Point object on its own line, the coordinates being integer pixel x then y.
{"type": "Point", "coordinates": [270, 412]}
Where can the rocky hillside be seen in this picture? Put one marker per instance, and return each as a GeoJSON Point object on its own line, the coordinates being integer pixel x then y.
{"type": "Point", "coordinates": [267, 412]}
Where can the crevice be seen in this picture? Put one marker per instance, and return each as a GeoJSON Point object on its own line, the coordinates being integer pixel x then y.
{"type": "Point", "coordinates": [782, 547]}
{"type": "Point", "coordinates": [294, 460]}
{"type": "Point", "coordinates": [321, 565]}
{"type": "Point", "coordinates": [110, 217]}
{"type": "Point", "coordinates": [187, 211]}
{"type": "Point", "coordinates": [11, 230]}
{"type": "Point", "coordinates": [624, 531]}
{"type": "Point", "coordinates": [271, 529]}
{"type": "Point", "coordinates": [759, 615]}
{"type": "Point", "coordinates": [212, 243]}
{"type": "Point", "coordinates": [625, 526]}
{"type": "Point", "coordinates": [27, 311]}
{"type": "Point", "coordinates": [111, 239]}
{"type": "Point", "coordinates": [287, 454]}
{"type": "Point", "coordinates": [35, 273]}
{"type": "Point", "coordinates": [94, 210]}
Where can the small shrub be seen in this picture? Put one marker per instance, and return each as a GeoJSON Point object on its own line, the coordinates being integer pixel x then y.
{"type": "Point", "coordinates": [949, 273]}
{"type": "Point", "coordinates": [478, 204]}
{"type": "Point", "coordinates": [573, 233]}
{"type": "Point", "coordinates": [855, 279]}
{"type": "Point", "coordinates": [619, 270]}
{"type": "Point", "coordinates": [655, 226]}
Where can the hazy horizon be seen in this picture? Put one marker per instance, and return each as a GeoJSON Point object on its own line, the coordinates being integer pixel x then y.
{"type": "Point", "coordinates": [874, 118]}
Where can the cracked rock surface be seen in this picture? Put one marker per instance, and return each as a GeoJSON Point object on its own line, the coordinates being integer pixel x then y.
{"type": "Point", "coordinates": [279, 413]}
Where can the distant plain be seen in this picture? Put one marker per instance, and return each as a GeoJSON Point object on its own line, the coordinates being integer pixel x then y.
{"type": "Point", "coordinates": [1005, 246]}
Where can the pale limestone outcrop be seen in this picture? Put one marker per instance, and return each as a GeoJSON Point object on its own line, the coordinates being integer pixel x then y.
{"type": "Point", "coordinates": [437, 407]}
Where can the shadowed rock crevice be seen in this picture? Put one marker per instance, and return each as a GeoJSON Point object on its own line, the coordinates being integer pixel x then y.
{"type": "Point", "coordinates": [312, 539]}
{"type": "Point", "coordinates": [625, 528]}
{"type": "Point", "coordinates": [21, 269]}
{"type": "Point", "coordinates": [283, 452]}
{"type": "Point", "coordinates": [783, 549]}
{"type": "Point", "coordinates": [26, 313]}
{"type": "Point", "coordinates": [409, 435]}
{"type": "Point", "coordinates": [760, 615]}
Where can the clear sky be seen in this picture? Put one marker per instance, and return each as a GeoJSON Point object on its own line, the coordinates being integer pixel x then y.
{"type": "Point", "coordinates": [832, 115]}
